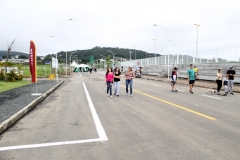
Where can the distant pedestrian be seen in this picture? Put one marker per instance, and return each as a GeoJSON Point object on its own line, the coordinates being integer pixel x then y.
{"type": "Point", "coordinates": [231, 74]}
{"type": "Point", "coordinates": [129, 76]}
{"type": "Point", "coordinates": [191, 77]}
{"type": "Point", "coordinates": [90, 70]}
{"type": "Point", "coordinates": [196, 71]}
{"type": "Point", "coordinates": [174, 79]}
{"type": "Point", "coordinates": [109, 80]}
{"type": "Point", "coordinates": [225, 84]}
{"type": "Point", "coordinates": [117, 76]}
{"type": "Point", "coordinates": [121, 68]}
{"type": "Point", "coordinates": [219, 81]}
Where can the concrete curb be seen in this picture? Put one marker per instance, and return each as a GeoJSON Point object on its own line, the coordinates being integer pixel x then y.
{"type": "Point", "coordinates": [10, 121]}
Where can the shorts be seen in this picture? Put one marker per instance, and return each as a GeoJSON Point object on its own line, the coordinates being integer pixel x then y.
{"type": "Point", "coordinates": [173, 82]}
{"type": "Point", "coordinates": [191, 81]}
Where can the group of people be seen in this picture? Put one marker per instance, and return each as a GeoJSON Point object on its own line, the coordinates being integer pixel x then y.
{"type": "Point", "coordinates": [113, 77]}
{"type": "Point", "coordinates": [226, 81]}
{"type": "Point", "coordinates": [192, 74]}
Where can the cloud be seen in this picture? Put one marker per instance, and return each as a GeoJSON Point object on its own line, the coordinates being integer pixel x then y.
{"type": "Point", "coordinates": [109, 23]}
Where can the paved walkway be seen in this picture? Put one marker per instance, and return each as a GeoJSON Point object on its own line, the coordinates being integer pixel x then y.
{"type": "Point", "coordinates": [199, 83]}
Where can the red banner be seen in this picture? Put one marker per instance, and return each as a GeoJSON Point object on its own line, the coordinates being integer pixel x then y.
{"type": "Point", "coordinates": [32, 62]}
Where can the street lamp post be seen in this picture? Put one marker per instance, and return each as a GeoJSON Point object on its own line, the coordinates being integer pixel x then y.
{"type": "Point", "coordinates": [113, 58]}
{"type": "Point", "coordinates": [197, 42]}
{"type": "Point", "coordinates": [71, 60]}
{"type": "Point", "coordinates": [66, 59]}
{"type": "Point", "coordinates": [155, 51]}
{"type": "Point", "coordinates": [56, 70]}
{"type": "Point", "coordinates": [167, 46]}
{"type": "Point", "coordinates": [135, 51]}
{"type": "Point", "coordinates": [104, 60]}
{"type": "Point", "coordinates": [129, 54]}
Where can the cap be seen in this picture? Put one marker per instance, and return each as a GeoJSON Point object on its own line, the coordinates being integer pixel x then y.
{"type": "Point", "coordinates": [231, 67]}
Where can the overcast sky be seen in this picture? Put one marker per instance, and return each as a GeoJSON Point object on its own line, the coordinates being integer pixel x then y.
{"type": "Point", "coordinates": [109, 23]}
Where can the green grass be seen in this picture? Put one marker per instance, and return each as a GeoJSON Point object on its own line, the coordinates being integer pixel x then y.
{"type": "Point", "coordinates": [5, 86]}
{"type": "Point", "coordinates": [40, 70]}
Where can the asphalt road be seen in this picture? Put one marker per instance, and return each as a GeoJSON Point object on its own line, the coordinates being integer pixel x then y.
{"type": "Point", "coordinates": [153, 124]}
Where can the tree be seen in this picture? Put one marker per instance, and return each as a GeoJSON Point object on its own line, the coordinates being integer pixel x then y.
{"type": "Point", "coordinates": [10, 47]}
{"type": "Point", "coordinates": [23, 57]}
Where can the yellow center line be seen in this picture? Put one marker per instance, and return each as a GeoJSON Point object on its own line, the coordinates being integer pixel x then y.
{"type": "Point", "coordinates": [178, 106]}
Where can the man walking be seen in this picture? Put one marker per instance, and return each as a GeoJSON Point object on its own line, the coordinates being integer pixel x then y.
{"type": "Point", "coordinates": [231, 74]}
{"type": "Point", "coordinates": [191, 77]}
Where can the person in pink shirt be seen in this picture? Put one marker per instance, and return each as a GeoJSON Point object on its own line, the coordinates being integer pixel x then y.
{"type": "Point", "coordinates": [109, 80]}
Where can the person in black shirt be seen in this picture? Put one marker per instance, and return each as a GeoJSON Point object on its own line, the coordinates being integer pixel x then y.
{"type": "Point", "coordinates": [231, 74]}
{"type": "Point", "coordinates": [117, 76]}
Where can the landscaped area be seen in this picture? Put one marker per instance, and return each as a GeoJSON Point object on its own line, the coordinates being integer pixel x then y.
{"type": "Point", "coordinates": [5, 86]}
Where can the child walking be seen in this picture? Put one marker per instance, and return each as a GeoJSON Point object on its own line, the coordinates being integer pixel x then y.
{"type": "Point", "coordinates": [174, 79]}
{"type": "Point", "coordinates": [225, 84]}
{"type": "Point", "coordinates": [109, 80]}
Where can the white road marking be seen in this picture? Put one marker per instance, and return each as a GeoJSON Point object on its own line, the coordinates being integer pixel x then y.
{"type": "Point", "coordinates": [211, 97]}
{"type": "Point", "coordinates": [100, 130]}
{"type": "Point", "coordinates": [49, 144]}
{"type": "Point", "coordinates": [143, 82]}
{"type": "Point", "coordinates": [180, 90]}
{"type": "Point", "coordinates": [157, 86]}
{"type": "Point", "coordinates": [101, 133]}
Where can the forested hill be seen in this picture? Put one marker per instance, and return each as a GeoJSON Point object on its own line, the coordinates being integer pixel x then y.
{"type": "Point", "coordinates": [12, 53]}
{"type": "Point", "coordinates": [84, 55]}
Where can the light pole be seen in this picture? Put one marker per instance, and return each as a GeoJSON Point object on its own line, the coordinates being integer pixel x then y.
{"type": "Point", "coordinates": [129, 55]}
{"type": "Point", "coordinates": [113, 58]}
{"type": "Point", "coordinates": [167, 46]}
{"type": "Point", "coordinates": [155, 46]}
{"type": "Point", "coordinates": [103, 61]}
{"type": "Point", "coordinates": [56, 70]}
{"type": "Point", "coordinates": [71, 60]}
{"type": "Point", "coordinates": [197, 42]}
{"type": "Point", "coordinates": [66, 59]}
{"type": "Point", "coordinates": [135, 51]}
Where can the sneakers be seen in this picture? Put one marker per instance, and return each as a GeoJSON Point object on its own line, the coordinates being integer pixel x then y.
{"type": "Point", "coordinates": [218, 93]}
{"type": "Point", "coordinates": [114, 93]}
{"type": "Point", "coordinates": [111, 96]}
{"type": "Point", "coordinates": [131, 95]}
{"type": "Point", "coordinates": [225, 94]}
{"type": "Point", "coordinates": [190, 91]}
{"type": "Point", "coordinates": [173, 91]}
{"type": "Point", "coordinates": [231, 93]}
{"type": "Point", "coordinates": [117, 95]}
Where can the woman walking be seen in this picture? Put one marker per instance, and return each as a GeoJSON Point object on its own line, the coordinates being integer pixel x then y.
{"type": "Point", "coordinates": [109, 80]}
{"type": "Point", "coordinates": [129, 76]}
{"type": "Point", "coordinates": [174, 79]}
{"type": "Point", "coordinates": [117, 76]}
{"type": "Point", "coordinates": [219, 81]}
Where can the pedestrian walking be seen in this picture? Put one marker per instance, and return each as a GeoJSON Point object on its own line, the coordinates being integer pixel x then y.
{"type": "Point", "coordinates": [231, 74]}
{"type": "Point", "coordinates": [174, 79]}
{"type": "Point", "coordinates": [195, 70]}
{"type": "Point", "coordinates": [117, 76]}
{"type": "Point", "coordinates": [109, 80]}
{"type": "Point", "coordinates": [129, 76]}
{"type": "Point", "coordinates": [219, 81]}
{"type": "Point", "coordinates": [225, 84]}
{"type": "Point", "coordinates": [90, 70]}
{"type": "Point", "coordinates": [191, 77]}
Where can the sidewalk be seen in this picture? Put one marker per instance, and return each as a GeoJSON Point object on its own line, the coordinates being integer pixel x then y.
{"type": "Point", "coordinates": [198, 83]}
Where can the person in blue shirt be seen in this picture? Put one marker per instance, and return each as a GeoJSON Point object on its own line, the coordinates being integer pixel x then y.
{"type": "Point", "coordinates": [191, 77]}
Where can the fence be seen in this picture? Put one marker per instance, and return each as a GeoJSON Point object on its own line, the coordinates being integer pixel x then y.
{"type": "Point", "coordinates": [220, 55]}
